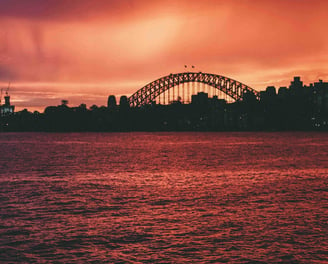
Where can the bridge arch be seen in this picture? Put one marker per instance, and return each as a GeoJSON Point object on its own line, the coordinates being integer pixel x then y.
{"type": "Point", "coordinates": [148, 93]}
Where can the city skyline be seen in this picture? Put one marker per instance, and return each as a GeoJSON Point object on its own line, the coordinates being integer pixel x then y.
{"type": "Point", "coordinates": [82, 52]}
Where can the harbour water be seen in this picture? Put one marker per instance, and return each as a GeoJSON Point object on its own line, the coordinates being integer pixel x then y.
{"type": "Point", "coordinates": [164, 197]}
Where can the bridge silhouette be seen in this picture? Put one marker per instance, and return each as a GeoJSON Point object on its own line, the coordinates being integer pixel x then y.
{"type": "Point", "coordinates": [179, 86]}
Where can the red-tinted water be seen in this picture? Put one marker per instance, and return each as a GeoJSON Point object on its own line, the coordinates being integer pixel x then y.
{"type": "Point", "coordinates": [164, 197]}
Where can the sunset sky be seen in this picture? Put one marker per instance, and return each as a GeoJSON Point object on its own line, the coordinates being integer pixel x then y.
{"type": "Point", "coordinates": [83, 50]}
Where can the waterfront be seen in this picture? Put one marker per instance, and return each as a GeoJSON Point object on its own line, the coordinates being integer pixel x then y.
{"type": "Point", "coordinates": [164, 197]}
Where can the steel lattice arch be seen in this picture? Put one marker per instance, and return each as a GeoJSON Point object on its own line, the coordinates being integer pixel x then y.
{"type": "Point", "coordinates": [148, 94]}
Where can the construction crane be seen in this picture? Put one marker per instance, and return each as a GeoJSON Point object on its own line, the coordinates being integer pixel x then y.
{"type": "Point", "coordinates": [7, 90]}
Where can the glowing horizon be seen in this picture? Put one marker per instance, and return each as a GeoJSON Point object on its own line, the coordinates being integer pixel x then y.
{"type": "Point", "coordinates": [83, 52]}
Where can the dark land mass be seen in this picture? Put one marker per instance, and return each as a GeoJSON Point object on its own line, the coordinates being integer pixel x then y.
{"type": "Point", "coordinates": [298, 107]}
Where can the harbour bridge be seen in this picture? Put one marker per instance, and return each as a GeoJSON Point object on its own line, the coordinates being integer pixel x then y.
{"type": "Point", "coordinates": [181, 86]}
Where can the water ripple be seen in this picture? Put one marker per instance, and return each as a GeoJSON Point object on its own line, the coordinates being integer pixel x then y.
{"type": "Point", "coordinates": [164, 198]}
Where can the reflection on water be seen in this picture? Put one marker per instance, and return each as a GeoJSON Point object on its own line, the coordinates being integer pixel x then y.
{"type": "Point", "coordinates": [164, 197]}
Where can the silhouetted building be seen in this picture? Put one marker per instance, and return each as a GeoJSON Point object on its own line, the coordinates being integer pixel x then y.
{"type": "Point", "coordinates": [320, 93]}
{"type": "Point", "coordinates": [298, 107]}
{"type": "Point", "coordinates": [249, 97]}
{"type": "Point", "coordinates": [283, 92]}
{"type": "Point", "coordinates": [296, 86]}
{"type": "Point", "coordinates": [6, 108]}
{"type": "Point", "coordinates": [215, 102]}
{"type": "Point", "coordinates": [124, 103]}
{"type": "Point", "coordinates": [111, 103]}
{"type": "Point", "coordinates": [271, 91]}
{"type": "Point", "coordinates": [200, 99]}
{"type": "Point", "coordinates": [269, 94]}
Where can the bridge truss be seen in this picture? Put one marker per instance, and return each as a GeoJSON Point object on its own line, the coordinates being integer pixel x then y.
{"type": "Point", "coordinates": [149, 93]}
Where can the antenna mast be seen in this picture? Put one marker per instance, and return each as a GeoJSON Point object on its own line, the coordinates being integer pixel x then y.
{"type": "Point", "coordinates": [8, 89]}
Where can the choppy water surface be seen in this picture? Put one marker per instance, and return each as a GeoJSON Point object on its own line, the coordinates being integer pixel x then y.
{"type": "Point", "coordinates": [164, 197]}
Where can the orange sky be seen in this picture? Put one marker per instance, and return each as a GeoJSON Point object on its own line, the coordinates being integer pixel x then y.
{"type": "Point", "coordinates": [83, 50]}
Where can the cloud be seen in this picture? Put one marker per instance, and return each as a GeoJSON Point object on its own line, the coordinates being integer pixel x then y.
{"type": "Point", "coordinates": [61, 9]}
{"type": "Point", "coordinates": [6, 74]}
{"type": "Point", "coordinates": [61, 42]}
